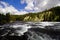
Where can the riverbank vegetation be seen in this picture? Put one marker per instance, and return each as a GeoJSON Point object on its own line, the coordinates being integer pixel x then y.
{"type": "Point", "coordinates": [52, 14]}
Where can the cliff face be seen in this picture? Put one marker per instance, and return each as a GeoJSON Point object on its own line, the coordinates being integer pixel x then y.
{"type": "Point", "coordinates": [52, 14]}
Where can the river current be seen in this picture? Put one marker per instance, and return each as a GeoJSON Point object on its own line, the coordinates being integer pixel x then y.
{"type": "Point", "coordinates": [31, 30]}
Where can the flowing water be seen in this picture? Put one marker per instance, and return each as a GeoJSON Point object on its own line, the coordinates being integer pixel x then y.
{"type": "Point", "coordinates": [33, 30]}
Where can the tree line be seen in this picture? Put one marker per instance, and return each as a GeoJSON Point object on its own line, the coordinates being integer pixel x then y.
{"type": "Point", "coordinates": [52, 14]}
{"type": "Point", "coordinates": [9, 18]}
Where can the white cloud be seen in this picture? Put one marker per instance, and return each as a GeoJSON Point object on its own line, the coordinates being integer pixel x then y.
{"type": "Point", "coordinates": [32, 6]}
{"type": "Point", "coordinates": [58, 4]}
{"type": "Point", "coordinates": [36, 8]}
{"type": "Point", "coordinates": [1, 6]}
{"type": "Point", "coordinates": [29, 6]}
{"type": "Point", "coordinates": [21, 13]}
{"type": "Point", "coordinates": [41, 5]}
{"type": "Point", "coordinates": [29, 3]}
{"type": "Point", "coordinates": [9, 8]}
{"type": "Point", "coordinates": [22, 2]}
{"type": "Point", "coordinates": [5, 4]}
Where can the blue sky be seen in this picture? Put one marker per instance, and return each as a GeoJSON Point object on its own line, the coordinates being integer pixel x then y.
{"type": "Point", "coordinates": [16, 3]}
{"type": "Point", "coordinates": [26, 6]}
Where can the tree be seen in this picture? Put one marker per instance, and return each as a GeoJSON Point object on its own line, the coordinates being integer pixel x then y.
{"type": "Point", "coordinates": [8, 17]}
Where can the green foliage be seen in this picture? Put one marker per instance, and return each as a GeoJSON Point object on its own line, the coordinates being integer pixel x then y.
{"type": "Point", "coordinates": [2, 19]}
{"type": "Point", "coordinates": [52, 14]}
{"type": "Point", "coordinates": [8, 17]}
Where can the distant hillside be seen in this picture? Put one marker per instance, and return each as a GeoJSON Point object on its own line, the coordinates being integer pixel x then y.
{"type": "Point", "coordinates": [52, 14]}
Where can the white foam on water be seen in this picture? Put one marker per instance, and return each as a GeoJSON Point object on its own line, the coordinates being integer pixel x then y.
{"type": "Point", "coordinates": [20, 29]}
{"type": "Point", "coordinates": [35, 36]}
{"type": "Point", "coordinates": [47, 23]}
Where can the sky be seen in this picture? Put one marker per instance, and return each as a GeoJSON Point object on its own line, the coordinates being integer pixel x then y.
{"type": "Point", "coordinates": [19, 7]}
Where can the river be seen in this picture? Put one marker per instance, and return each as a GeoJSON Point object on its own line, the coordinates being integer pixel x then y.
{"type": "Point", "coordinates": [31, 30]}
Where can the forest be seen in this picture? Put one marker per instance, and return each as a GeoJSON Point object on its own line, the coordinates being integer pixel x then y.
{"type": "Point", "coordinates": [51, 15]}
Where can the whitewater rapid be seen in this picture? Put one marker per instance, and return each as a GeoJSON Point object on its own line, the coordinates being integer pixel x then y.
{"type": "Point", "coordinates": [19, 28]}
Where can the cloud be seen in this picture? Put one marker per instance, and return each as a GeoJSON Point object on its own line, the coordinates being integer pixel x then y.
{"type": "Point", "coordinates": [3, 3]}
{"type": "Point", "coordinates": [22, 2]}
{"type": "Point", "coordinates": [40, 5]}
{"type": "Point", "coordinates": [32, 6]}
{"type": "Point", "coordinates": [9, 8]}
{"type": "Point", "coordinates": [58, 4]}
{"type": "Point", "coordinates": [29, 6]}
{"type": "Point", "coordinates": [21, 12]}
{"type": "Point", "coordinates": [29, 3]}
